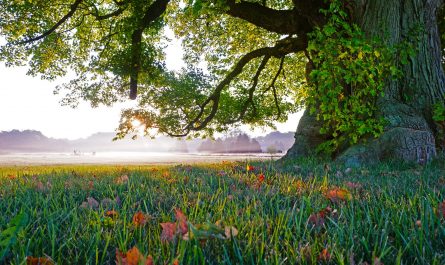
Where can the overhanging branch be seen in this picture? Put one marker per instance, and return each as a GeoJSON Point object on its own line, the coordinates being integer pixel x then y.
{"type": "Point", "coordinates": [73, 9]}
{"type": "Point", "coordinates": [281, 49]}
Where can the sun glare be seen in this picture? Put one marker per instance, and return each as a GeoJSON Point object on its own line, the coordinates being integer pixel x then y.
{"type": "Point", "coordinates": [138, 127]}
{"type": "Point", "coordinates": [136, 123]}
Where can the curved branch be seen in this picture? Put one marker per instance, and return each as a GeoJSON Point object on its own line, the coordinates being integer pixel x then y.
{"type": "Point", "coordinates": [282, 48]}
{"type": "Point", "coordinates": [278, 21]}
{"type": "Point", "coordinates": [252, 89]}
{"type": "Point", "coordinates": [73, 9]}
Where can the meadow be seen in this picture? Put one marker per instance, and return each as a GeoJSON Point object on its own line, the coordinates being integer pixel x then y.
{"type": "Point", "coordinates": [304, 212]}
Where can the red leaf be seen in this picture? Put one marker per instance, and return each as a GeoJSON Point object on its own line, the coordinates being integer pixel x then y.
{"type": "Point", "coordinates": [182, 221]}
{"type": "Point", "coordinates": [168, 232]}
{"type": "Point", "coordinates": [261, 177]}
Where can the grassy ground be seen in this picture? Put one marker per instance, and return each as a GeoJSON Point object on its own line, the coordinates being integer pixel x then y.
{"type": "Point", "coordinates": [308, 214]}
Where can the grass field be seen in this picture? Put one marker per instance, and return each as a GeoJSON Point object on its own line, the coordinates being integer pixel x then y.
{"type": "Point", "coordinates": [306, 214]}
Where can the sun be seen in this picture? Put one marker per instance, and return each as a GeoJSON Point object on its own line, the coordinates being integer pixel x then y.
{"type": "Point", "coordinates": [138, 127]}
{"type": "Point", "coordinates": [136, 123]}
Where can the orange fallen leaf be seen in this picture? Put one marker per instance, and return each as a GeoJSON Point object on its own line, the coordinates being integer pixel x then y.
{"type": "Point", "coordinates": [38, 261]}
{"type": "Point", "coordinates": [133, 257]}
{"type": "Point", "coordinates": [324, 255]}
{"type": "Point", "coordinates": [175, 262]}
{"type": "Point", "coordinates": [139, 219]}
{"type": "Point", "coordinates": [111, 213]}
{"type": "Point", "coordinates": [338, 194]}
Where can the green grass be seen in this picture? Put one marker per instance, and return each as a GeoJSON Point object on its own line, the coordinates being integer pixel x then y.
{"type": "Point", "coordinates": [378, 222]}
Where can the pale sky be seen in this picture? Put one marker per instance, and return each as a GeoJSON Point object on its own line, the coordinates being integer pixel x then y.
{"type": "Point", "coordinates": [29, 103]}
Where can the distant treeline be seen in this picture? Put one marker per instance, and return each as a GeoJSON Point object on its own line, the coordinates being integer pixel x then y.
{"type": "Point", "coordinates": [235, 144]}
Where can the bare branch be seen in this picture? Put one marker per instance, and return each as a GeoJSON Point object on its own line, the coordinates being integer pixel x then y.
{"type": "Point", "coordinates": [73, 9]}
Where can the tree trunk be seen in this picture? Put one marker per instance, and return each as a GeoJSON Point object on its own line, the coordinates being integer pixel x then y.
{"type": "Point", "coordinates": [407, 104]}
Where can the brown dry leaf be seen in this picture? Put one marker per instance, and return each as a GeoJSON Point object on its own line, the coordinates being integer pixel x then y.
{"type": "Point", "coordinates": [318, 219]}
{"type": "Point", "coordinates": [337, 195]}
{"type": "Point", "coordinates": [90, 203]}
{"type": "Point", "coordinates": [122, 179]}
{"type": "Point", "coordinates": [38, 261]}
{"type": "Point", "coordinates": [230, 232]}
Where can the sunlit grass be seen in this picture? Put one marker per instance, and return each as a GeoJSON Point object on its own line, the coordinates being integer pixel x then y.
{"type": "Point", "coordinates": [390, 214]}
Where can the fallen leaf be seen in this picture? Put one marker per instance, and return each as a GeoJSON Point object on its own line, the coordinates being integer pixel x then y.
{"type": "Point", "coordinates": [182, 221]}
{"type": "Point", "coordinates": [318, 219]}
{"type": "Point", "coordinates": [261, 178]}
{"type": "Point", "coordinates": [90, 203]}
{"type": "Point", "coordinates": [175, 262]}
{"type": "Point", "coordinates": [38, 261]}
{"type": "Point", "coordinates": [111, 213]}
{"type": "Point", "coordinates": [353, 185]}
{"type": "Point", "coordinates": [168, 232]}
{"type": "Point", "coordinates": [324, 255]}
{"type": "Point", "coordinates": [139, 219]}
{"type": "Point", "coordinates": [133, 257]}
{"type": "Point", "coordinates": [230, 232]}
{"type": "Point", "coordinates": [122, 180]}
{"type": "Point", "coordinates": [338, 194]}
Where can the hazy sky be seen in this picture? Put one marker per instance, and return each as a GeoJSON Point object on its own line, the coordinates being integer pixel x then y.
{"type": "Point", "coordinates": [29, 103]}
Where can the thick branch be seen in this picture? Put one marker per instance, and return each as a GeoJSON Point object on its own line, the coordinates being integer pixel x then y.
{"type": "Point", "coordinates": [73, 9]}
{"type": "Point", "coordinates": [151, 14]}
{"type": "Point", "coordinates": [279, 21]}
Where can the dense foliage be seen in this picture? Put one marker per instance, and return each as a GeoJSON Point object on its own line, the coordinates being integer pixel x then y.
{"type": "Point", "coordinates": [349, 74]}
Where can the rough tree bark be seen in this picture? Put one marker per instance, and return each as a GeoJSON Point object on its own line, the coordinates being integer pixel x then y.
{"type": "Point", "coordinates": [407, 104]}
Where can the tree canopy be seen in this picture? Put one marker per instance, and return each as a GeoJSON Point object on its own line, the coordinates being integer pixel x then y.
{"type": "Point", "coordinates": [250, 62]}
{"type": "Point", "coordinates": [250, 50]}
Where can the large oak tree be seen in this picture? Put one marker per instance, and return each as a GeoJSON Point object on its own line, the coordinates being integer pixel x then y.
{"type": "Point", "coordinates": [256, 60]}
